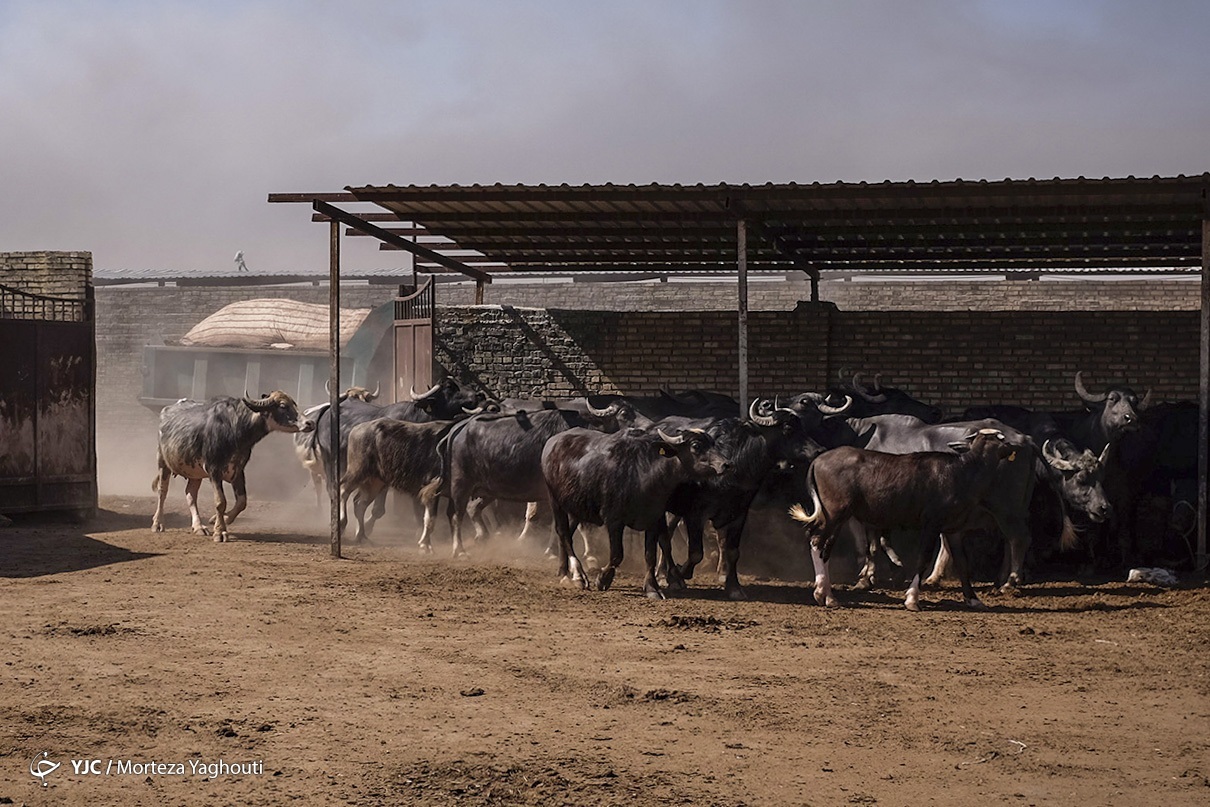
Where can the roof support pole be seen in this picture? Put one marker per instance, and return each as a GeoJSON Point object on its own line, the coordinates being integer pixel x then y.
{"type": "Point", "coordinates": [741, 257]}
{"type": "Point", "coordinates": [334, 473]}
{"type": "Point", "coordinates": [1203, 418]}
{"type": "Point", "coordinates": [478, 292]}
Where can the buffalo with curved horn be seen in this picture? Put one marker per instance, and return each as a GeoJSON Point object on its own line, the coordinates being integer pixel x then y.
{"type": "Point", "coordinates": [884, 400]}
{"type": "Point", "coordinates": [213, 440]}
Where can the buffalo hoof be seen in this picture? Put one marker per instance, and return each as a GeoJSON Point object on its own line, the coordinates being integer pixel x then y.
{"type": "Point", "coordinates": [157, 527]}
{"type": "Point", "coordinates": [912, 604]}
{"type": "Point", "coordinates": [976, 604]}
{"type": "Point", "coordinates": [605, 580]}
{"type": "Point", "coordinates": [675, 581]}
{"type": "Point", "coordinates": [654, 594]}
{"type": "Point", "coordinates": [737, 594]}
{"type": "Point", "coordinates": [221, 537]}
{"type": "Point", "coordinates": [426, 549]}
{"type": "Point", "coordinates": [200, 530]}
{"type": "Point", "coordinates": [864, 584]}
{"type": "Point", "coordinates": [574, 582]}
{"type": "Point", "coordinates": [823, 599]}
{"type": "Point", "coordinates": [686, 571]}
{"type": "Point", "coordinates": [1010, 588]}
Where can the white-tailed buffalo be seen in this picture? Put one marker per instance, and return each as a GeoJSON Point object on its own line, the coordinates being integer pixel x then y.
{"type": "Point", "coordinates": [929, 492]}
{"type": "Point", "coordinates": [213, 440]}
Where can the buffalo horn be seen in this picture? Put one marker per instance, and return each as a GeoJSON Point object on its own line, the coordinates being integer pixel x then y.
{"type": "Point", "coordinates": [377, 389]}
{"type": "Point", "coordinates": [1104, 454]}
{"type": "Point", "coordinates": [759, 419]}
{"type": "Point", "coordinates": [1055, 459]}
{"type": "Point", "coordinates": [1143, 404]}
{"type": "Point", "coordinates": [608, 412]}
{"type": "Point", "coordinates": [474, 411]}
{"type": "Point", "coordinates": [432, 390]}
{"type": "Point", "coordinates": [672, 441]}
{"type": "Point", "coordinates": [864, 393]}
{"type": "Point", "coordinates": [257, 405]}
{"type": "Point", "coordinates": [1084, 394]}
{"type": "Point", "coordinates": [825, 408]}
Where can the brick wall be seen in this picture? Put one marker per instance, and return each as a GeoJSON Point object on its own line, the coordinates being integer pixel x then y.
{"type": "Point", "coordinates": [953, 359]}
{"type": "Point", "coordinates": [52, 274]}
{"type": "Point", "coordinates": [1153, 294]}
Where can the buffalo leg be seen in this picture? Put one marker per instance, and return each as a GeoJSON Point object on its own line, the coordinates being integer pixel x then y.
{"type": "Point", "coordinates": [651, 541]}
{"type": "Point", "coordinates": [695, 528]}
{"type": "Point", "coordinates": [1016, 540]}
{"type": "Point", "coordinates": [240, 487]}
{"type": "Point", "coordinates": [960, 549]}
{"type": "Point", "coordinates": [428, 498]}
{"type": "Point", "coordinates": [863, 540]}
{"type": "Point", "coordinates": [160, 486]}
{"type": "Point", "coordinates": [616, 555]}
{"type": "Point", "coordinates": [477, 510]}
{"type": "Point", "coordinates": [823, 581]}
{"type": "Point", "coordinates": [941, 565]}
{"type": "Point", "coordinates": [459, 500]}
{"type": "Point", "coordinates": [220, 509]}
{"type": "Point", "coordinates": [192, 486]}
{"type": "Point", "coordinates": [730, 538]}
{"type": "Point", "coordinates": [672, 574]}
{"type": "Point", "coordinates": [570, 568]}
{"type": "Point", "coordinates": [362, 499]}
{"type": "Point", "coordinates": [927, 544]}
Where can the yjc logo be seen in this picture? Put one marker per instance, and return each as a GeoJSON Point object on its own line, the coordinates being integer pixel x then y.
{"type": "Point", "coordinates": [41, 768]}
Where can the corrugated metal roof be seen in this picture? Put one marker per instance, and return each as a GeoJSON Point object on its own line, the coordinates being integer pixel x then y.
{"type": "Point", "coordinates": [1009, 225]}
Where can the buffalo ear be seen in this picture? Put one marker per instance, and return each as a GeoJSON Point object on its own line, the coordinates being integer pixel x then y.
{"type": "Point", "coordinates": [960, 446]}
{"type": "Point", "coordinates": [664, 450]}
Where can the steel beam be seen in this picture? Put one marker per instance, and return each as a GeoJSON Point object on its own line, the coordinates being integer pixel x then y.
{"type": "Point", "coordinates": [351, 220]}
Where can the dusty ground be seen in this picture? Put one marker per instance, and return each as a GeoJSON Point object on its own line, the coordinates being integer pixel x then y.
{"type": "Point", "coordinates": [388, 678]}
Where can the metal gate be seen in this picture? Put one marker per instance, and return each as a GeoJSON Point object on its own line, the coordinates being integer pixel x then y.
{"type": "Point", "coordinates": [48, 458]}
{"type": "Point", "coordinates": [414, 312]}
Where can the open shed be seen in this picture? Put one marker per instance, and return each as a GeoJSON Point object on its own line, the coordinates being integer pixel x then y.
{"type": "Point", "coordinates": [481, 231]}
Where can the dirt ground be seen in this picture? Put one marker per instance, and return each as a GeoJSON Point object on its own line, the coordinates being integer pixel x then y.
{"type": "Point", "coordinates": [392, 678]}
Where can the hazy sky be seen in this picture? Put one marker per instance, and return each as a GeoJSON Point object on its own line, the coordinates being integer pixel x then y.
{"type": "Point", "coordinates": [150, 133]}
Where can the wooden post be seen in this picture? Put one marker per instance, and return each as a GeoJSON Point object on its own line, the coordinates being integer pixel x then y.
{"type": "Point", "coordinates": [478, 292]}
{"type": "Point", "coordinates": [1203, 418]}
{"type": "Point", "coordinates": [741, 256]}
{"type": "Point", "coordinates": [334, 469]}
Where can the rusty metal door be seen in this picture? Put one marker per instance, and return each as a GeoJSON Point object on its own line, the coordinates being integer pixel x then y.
{"type": "Point", "coordinates": [414, 314]}
{"type": "Point", "coordinates": [48, 455]}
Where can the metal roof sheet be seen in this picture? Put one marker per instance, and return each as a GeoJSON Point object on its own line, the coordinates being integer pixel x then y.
{"type": "Point", "coordinates": [1010, 225]}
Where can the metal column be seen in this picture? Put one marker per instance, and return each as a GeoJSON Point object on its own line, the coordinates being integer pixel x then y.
{"type": "Point", "coordinates": [741, 256]}
{"type": "Point", "coordinates": [1203, 419]}
{"type": "Point", "coordinates": [334, 470]}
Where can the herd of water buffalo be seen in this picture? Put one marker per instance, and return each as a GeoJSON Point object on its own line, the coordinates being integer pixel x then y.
{"type": "Point", "coordinates": [1110, 483]}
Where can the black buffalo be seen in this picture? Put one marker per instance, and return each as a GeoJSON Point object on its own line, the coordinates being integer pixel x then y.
{"type": "Point", "coordinates": [394, 454]}
{"type": "Point", "coordinates": [621, 480]}
{"type": "Point", "coordinates": [928, 492]}
{"type": "Point", "coordinates": [213, 440]}
{"type": "Point", "coordinates": [883, 400]}
{"type": "Point", "coordinates": [754, 449]}
{"type": "Point", "coordinates": [498, 457]}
